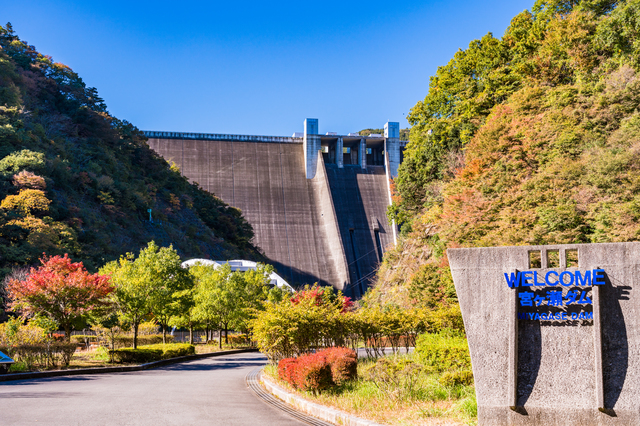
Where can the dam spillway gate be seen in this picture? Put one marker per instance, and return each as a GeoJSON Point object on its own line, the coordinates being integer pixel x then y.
{"type": "Point", "coordinates": [317, 203]}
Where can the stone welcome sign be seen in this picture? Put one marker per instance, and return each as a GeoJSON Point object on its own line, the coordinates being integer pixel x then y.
{"type": "Point", "coordinates": [553, 331]}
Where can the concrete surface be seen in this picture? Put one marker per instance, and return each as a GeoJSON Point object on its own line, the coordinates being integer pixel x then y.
{"type": "Point", "coordinates": [528, 372]}
{"type": "Point", "coordinates": [295, 219]}
{"type": "Point", "coordinates": [360, 198]}
{"type": "Point", "coordinates": [204, 392]}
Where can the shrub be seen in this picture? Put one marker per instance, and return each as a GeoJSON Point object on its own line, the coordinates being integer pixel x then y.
{"type": "Point", "coordinates": [18, 367]}
{"type": "Point", "coordinates": [397, 377]}
{"type": "Point", "coordinates": [287, 370]}
{"type": "Point", "coordinates": [313, 373]}
{"type": "Point", "coordinates": [313, 318]}
{"type": "Point", "coordinates": [149, 353]}
{"type": "Point", "coordinates": [125, 341]}
{"type": "Point", "coordinates": [445, 351]}
{"type": "Point", "coordinates": [44, 355]}
{"type": "Point", "coordinates": [456, 378]}
{"type": "Point", "coordinates": [81, 339]}
{"type": "Point", "coordinates": [445, 318]}
{"type": "Point", "coordinates": [140, 355]}
{"type": "Point", "coordinates": [173, 350]}
{"type": "Point", "coordinates": [343, 362]}
{"type": "Point", "coordinates": [239, 340]}
{"type": "Point", "coordinates": [14, 333]}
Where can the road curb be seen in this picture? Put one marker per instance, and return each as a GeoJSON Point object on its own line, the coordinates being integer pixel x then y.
{"type": "Point", "coordinates": [323, 412]}
{"type": "Point", "coordinates": [120, 369]}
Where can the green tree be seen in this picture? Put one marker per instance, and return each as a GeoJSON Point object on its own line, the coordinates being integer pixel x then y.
{"type": "Point", "coordinates": [171, 283]}
{"type": "Point", "coordinates": [132, 292]}
{"type": "Point", "coordinates": [230, 299]}
{"type": "Point", "coordinates": [154, 283]}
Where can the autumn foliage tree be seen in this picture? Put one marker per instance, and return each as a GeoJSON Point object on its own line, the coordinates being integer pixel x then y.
{"type": "Point", "coordinates": [60, 290]}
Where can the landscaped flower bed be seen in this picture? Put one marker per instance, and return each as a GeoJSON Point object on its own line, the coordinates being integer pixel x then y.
{"type": "Point", "coordinates": [396, 390]}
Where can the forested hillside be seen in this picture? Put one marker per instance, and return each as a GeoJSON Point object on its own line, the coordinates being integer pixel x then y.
{"type": "Point", "coordinates": [532, 138]}
{"type": "Point", "coordinates": [74, 179]}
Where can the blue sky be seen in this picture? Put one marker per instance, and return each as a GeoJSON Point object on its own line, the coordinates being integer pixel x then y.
{"type": "Point", "coordinates": [257, 67]}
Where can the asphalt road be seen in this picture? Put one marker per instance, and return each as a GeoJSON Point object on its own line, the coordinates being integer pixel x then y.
{"type": "Point", "coordinates": [204, 392]}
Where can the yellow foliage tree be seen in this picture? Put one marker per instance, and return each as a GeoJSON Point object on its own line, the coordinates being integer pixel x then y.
{"type": "Point", "coordinates": [27, 201]}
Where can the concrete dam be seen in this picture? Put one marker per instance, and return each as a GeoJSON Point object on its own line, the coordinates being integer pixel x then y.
{"type": "Point", "coordinates": [317, 203]}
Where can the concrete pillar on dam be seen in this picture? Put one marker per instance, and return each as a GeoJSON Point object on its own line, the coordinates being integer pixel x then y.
{"type": "Point", "coordinates": [340, 155]}
{"type": "Point", "coordinates": [311, 146]}
{"type": "Point", "coordinates": [392, 147]}
{"type": "Point", "coordinates": [362, 153]}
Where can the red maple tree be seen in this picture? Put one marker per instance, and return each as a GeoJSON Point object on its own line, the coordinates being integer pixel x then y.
{"type": "Point", "coordinates": [61, 290]}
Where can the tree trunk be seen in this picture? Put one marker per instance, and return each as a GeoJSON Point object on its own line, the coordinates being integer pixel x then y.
{"type": "Point", "coordinates": [164, 334]}
{"type": "Point", "coordinates": [135, 335]}
{"type": "Point", "coordinates": [190, 333]}
{"type": "Point", "coordinates": [226, 334]}
{"type": "Point", "coordinates": [67, 333]}
{"type": "Point", "coordinates": [220, 338]}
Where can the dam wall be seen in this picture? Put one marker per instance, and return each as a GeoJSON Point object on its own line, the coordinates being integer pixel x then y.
{"type": "Point", "coordinates": [360, 197]}
{"type": "Point", "coordinates": [316, 222]}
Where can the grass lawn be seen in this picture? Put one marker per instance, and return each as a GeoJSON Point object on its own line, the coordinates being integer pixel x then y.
{"type": "Point", "coordinates": [412, 397]}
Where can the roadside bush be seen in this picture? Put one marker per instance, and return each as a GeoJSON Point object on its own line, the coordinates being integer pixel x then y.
{"type": "Point", "coordinates": [139, 356]}
{"type": "Point", "coordinates": [42, 355]}
{"type": "Point", "coordinates": [320, 370]}
{"type": "Point", "coordinates": [313, 318]}
{"type": "Point", "coordinates": [29, 345]}
{"type": "Point", "coordinates": [126, 341]}
{"type": "Point", "coordinates": [81, 339]}
{"type": "Point", "coordinates": [444, 351]}
{"type": "Point", "coordinates": [239, 340]}
{"type": "Point", "coordinates": [313, 373]}
{"type": "Point", "coordinates": [14, 333]}
{"type": "Point", "coordinates": [287, 370]}
{"type": "Point", "coordinates": [173, 350]}
{"type": "Point", "coordinates": [149, 353]}
{"type": "Point", "coordinates": [456, 378]}
{"type": "Point", "coordinates": [18, 367]}
{"type": "Point", "coordinates": [445, 318]}
{"type": "Point", "coordinates": [397, 377]}
{"type": "Point", "coordinates": [343, 362]}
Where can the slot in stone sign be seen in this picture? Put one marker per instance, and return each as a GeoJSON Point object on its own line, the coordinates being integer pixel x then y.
{"type": "Point", "coordinates": [553, 332]}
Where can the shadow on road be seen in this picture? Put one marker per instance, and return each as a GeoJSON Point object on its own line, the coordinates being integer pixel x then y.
{"type": "Point", "coordinates": [40, 395]}
{"type": "Point", "coordinates": [47, 379]}
{"type": "Point", "coordinates": [211, 367]}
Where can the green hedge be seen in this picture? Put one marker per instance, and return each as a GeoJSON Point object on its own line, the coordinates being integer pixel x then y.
{"type": "Point", "coordinates": [41, 355]}
{"type": "Point", "coordinates": [446, 351]}
{"type": "Point", "coordinates": [149, 353]}
{"type": "Point", "coordinates": [127, 340]}
{"type": "Point", "coordinates": [81, 338]}
{"type": "Point", "coordinates": [128, 355]}
{"type": "Point", "coordinates": [173, 350]}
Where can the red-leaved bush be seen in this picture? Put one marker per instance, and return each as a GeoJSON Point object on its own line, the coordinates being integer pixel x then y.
{"type": "Point", "coordinates": [287, 369]}
{"type": "Point", "coordinates": [320, 370]}
{"type": "Point", "coordinates": [313, 372]}
{"type": "Point", "coordinates": [343, 362]}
